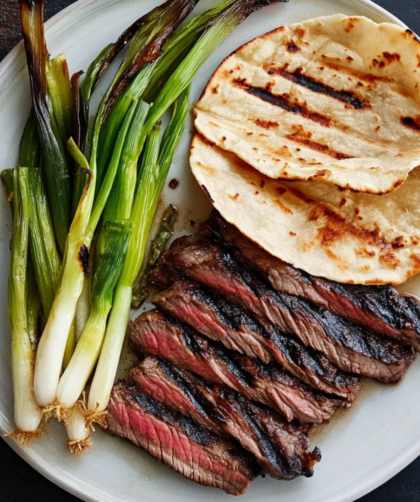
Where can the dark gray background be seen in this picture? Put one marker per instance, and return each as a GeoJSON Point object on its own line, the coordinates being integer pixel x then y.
{"type": "Point", "coordinates": [18, 481]}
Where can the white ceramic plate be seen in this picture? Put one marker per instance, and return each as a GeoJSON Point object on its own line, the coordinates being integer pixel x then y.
{"type": "Point", "coordinates": [362, 448]}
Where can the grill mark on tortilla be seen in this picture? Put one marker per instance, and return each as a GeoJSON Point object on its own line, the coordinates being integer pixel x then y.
{"type": "Point", "coordinates": [411, 123]}
{"type": "Point", "coordinates": [319, 147]}
{"type": "Point", "coordinates": [350, 98]}
{"type": "Point", "coordinates": [283, 102]}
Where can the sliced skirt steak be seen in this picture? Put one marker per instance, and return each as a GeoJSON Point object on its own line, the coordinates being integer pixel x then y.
{"type": "Point", "coordinates": [351, 347]}
{"type": "Point", "coordinates": [214, 317]}
{"type": "Point", "coordinates": [179, 442]}
{"type": "Point", "coordinates": [280, 448]}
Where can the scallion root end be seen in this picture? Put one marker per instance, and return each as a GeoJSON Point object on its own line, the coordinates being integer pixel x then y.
{"type": "Point", "coordinates": [95, 417]}
{"type": "Point", "coordinates": [57, 411]}
{"type": "Point", "coordinates": [25, 438]}
{"type": "Point", "coordinates": [78, 446]}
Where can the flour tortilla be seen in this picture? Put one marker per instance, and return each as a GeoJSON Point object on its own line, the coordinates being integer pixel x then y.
{"type": "Point", "coordinates": [333, 99]}
{"type": "Point", "coordinates": [327, 231]}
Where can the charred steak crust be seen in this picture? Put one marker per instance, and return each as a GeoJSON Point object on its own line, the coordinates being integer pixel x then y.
{"type": "Point", "coordinates": [179, 442]}
{"type": "Point", "coordinates": [255, 427]}
{"type": "Point", "coordinates": [212, 316]}
{"type": "Point", "coordinates": [351, 347]}
{"type": "Point", "coordinates": [380, 308]}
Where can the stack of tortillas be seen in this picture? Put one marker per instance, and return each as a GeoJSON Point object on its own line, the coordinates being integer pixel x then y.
{"type": "Point", "coordinates": [308, 139]}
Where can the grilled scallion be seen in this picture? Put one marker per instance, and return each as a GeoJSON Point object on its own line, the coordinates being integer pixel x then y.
{"type": "Point", "coordinates": [27, 413]}
{"type": "Point", "coordinates": [155, 165]}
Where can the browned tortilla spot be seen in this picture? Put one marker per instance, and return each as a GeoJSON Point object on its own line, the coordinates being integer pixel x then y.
{"type": "Point", "coordinates": [266, 124]}
{"type": "Point", "coordinates": [300, 32]}
{"type": "Point", "coordinates": [415, 258]}
{"type": "Point", "coordinates": [391, 58]}
{"type": "Point", "coordinates": [411, 123]}
{"type": "Point", "coordinates": [285, 209]}
{"type": "Point", "coordinates": [291, 47]}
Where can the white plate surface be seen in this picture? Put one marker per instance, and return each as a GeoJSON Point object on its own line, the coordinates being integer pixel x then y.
{"type": "Point", "coordinates": [362, 448]}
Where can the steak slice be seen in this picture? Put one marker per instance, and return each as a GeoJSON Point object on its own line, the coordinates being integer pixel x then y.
{"type": "Point", "coordinates": [159, 335]}
{"type": "Point", "coordinates": [213, 317]}
{"type": "Point", "coordinates": [179, 442]}
{"type": "Point", "coordinates": [349, 346]}
{"type": "Point", "coordinates": [279, 447]}
{"type": "Point", "coordinates": [380, 308]}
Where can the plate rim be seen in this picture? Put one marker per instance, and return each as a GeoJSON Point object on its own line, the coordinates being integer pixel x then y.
{"type": "Point", "coordinates": [61, 478]}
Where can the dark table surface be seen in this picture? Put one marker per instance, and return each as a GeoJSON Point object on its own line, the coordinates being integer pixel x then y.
{"type": "Point", "coordinates": [18, 481]}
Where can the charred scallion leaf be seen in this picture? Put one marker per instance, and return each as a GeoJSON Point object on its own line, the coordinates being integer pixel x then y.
{"type": "Point", "coordinates": [150, 81]}
{"type": "Point", "coordinates": [164, 233]}
{"type": "Point", "coordinates": [93, 75]}
{"type": "Point", "coordinates": [57, 174]}
{"type": "Point", "coordinates": [100, 65]}
{"type": "Point", "coordinates": [59, 89]}
{"type": "Point", "coordinates": [146, 45]}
